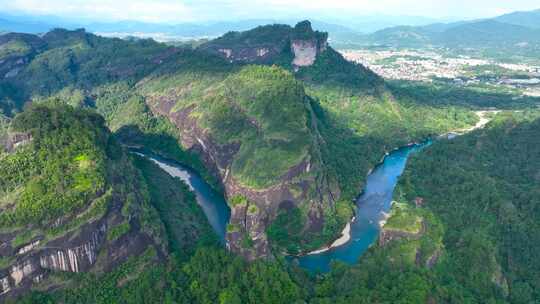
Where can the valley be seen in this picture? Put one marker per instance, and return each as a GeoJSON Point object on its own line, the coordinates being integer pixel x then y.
{"type": "Point", "coordinates": [264, 160]}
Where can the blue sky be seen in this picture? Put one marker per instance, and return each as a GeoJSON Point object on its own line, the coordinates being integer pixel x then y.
{"type": "Point", "coordinates": [177, 11]}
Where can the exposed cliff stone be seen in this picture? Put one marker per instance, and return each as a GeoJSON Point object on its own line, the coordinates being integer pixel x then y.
{"type": "Point", "coordinates": [76, 251]}
{"type": "Point", "coordinates": [15, 140]}
{"type": "Point", "coordinates": [74, 259]}
{"type": "Point", "coordinates": [300, 45]}
{"type": "Point", "coordinates": [388, 235]}
{"type": "Point", "coordinates": [301, 184]}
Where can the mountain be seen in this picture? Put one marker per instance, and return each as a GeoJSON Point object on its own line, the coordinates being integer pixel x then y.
{"type": "Point", "coordinates": [495, 38]}
{"type": "Point", "coordinates": [530, 19]}
{"type": "Point", "coordinates": [169, 32]}
{"type": "Point", "coordinates": [73, 202]}
{"type": "Point", "coordinates": [273, 118]}
{"type": "Point", "coordinates": [509, 35]}
{"type": "Point", "coordinates": [406, 36]}
{"type": "Point", "coordinates": [463, 226]}
{"type": "Point", "coordinates": [488, 33]}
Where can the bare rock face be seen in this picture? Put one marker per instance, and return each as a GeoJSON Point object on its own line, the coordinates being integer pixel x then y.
{"type": "Point", "coordinates": [388, 235]}
{"type": "Point", "coordinates": [75, 251]}
{"type": "Point", "coordinates": [273, 43]}
{"type": "Point", "coordinates": [246, 234]}
{"type": "Point", "coordinates": [305, 52]}
{"type": "Point", "coordinates": [15, 140]}
{"type": "Point", "coordinates": [32, 261]}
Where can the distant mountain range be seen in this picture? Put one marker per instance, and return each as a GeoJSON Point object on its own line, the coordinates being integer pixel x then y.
{"type": "Point", "coordinates": [515, 29]}
{"type": "Point", "coordinates": [34, 25]}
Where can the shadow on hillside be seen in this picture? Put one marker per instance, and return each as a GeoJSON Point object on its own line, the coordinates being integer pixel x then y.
{"type": "Point", "coordinates": [453, 95]}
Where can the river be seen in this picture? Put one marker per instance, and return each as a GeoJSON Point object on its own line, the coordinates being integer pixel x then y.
{"type": "Point", "coordinates": [372, 207]}
{"type": "Point", "coordinates": [212, 203]}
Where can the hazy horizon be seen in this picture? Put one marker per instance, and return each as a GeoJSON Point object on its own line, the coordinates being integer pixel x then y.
{"type": "Point", "coordinates": [174, 12]}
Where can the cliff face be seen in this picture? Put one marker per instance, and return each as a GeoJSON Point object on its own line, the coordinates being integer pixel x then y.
{"type": "Point", "coordinates": [77, 251]}
{"type": "Point", "coordinates": [104, 228]}
{"type": "Point", "coordinates": [298, 46]}
{"type": "Point", "coordinates": [302, 184]}
{"type": "Point", "coordinates": [16, 51]}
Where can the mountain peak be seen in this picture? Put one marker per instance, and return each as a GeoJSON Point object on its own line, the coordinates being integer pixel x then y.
{"type": "Point", "coordinates": [303, 26]}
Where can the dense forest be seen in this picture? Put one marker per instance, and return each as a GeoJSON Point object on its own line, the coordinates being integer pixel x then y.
{"type": "Point", "coordinates": [479, 196]}
{"type": "Point", "coordinates": [472, 238]}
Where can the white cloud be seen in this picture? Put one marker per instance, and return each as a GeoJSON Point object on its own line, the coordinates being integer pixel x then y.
{"type": "Point", "coordinates": [191, 10]}
{"type": "Point", "coordinates": [143, 10]}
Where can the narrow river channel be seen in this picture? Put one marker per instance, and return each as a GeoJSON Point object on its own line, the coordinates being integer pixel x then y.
{"type": "Point", "coordinates": [214, 206]}
{"type": "Point", "coordinates": [372, 205]}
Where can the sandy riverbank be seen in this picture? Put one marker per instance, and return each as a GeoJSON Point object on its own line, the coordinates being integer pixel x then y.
{"type": "Point", "coordinates": [346, 233]}
{"type": "Point", "coordinates": [345, 237]}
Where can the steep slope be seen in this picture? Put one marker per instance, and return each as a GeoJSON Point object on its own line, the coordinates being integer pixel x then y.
{"type": "Point", "coordinates": [464, 227]}
{"type": "Point", "coordinates": [298, 46]}
{"type": "Point", "coordinates": [527, 18]}
{"type": "Point", "coordinates": [72, 202]}
{"type": "Point", "coordinates": [299, 49]}
{"type": "Point", "coordinates": [293, 141]}
{"type": "Point", "coordinates": [253, 128]}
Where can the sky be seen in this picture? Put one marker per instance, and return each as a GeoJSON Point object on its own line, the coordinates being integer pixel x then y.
{"type": "Point", "coordinates": [178, 11]}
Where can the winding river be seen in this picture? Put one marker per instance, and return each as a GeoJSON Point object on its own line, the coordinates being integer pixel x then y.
{"type": "Point", "coordinates": [214, 206]}
{"type": "Point", "coordinates": [372, 206]}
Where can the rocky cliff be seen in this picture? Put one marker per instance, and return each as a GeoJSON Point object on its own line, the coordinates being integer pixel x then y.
{"type": "Point", "coordinates": [16, 51]}
{"type": "Point", "coordinates": [39, 233]}
{"type": "Point", "coordinates": [298, 46]}
{"type": "Point", "coordinates": [265, 152]}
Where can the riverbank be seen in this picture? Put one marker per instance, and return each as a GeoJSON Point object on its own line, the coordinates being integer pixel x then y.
{"type": "Point", "coordinates": [346, 233]}
{"type": "Point", "coordinates": [482, 122]}
{"type": "Point", "coordinates": [344, 239]}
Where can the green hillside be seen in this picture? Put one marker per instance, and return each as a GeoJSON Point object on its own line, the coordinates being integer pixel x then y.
{"type": "Point", "coordinates": [474, 236]}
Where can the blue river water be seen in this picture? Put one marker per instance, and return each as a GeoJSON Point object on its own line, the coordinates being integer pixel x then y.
{"type": "Point", "coordinates": [372, 205]}
{"type": "Point", "coordinates": [212, 203]}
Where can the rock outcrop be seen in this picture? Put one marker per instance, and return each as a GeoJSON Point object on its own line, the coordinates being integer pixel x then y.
{"type": "Point", "coordinates": [76, 251]}
{"type": "Point", "coordinates": [33, 261]}
{"type": "Point", "coordinates": [303, 183]}
{"type": "Point", "coordinates": [300, 45]}
{"type": "Point", "coordinates": [17, 51]}
{"type": "Point", "coordinates": [15, 140]}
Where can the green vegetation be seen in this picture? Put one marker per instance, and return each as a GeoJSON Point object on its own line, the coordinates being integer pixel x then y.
{"type": "Point", "coordinates": [483, 187]}
{"type": "Point", "coordinates": [264, 109]}
{"type": "Point", "coordinates": [128, 115]}
{"type": "Point", "coordinates": [285, 231]}
{"type": "Point", "coordinates": [359, 130]}
{"type": "Point", "coordinates": [117, 231]}
{"type": "Point", "coordinates": [238, 200]}
{"type": "Point", "coordinates": [404, 219]}
{"type": "Point", "coordinates": [185, 222]}
{"type": "Point", "coordinates": [441, 94]}
{"type": "Point", "coordinates": [331, 69]}
{"type": "Point", "coordinates": [62, 171]}
{"type": "Point", "coordinates": [14, 48]}
{"type": "Point", "coordinates": [474, 240]}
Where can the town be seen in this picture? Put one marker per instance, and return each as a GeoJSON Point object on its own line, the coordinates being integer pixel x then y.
{"type": "Point", "coordinates": [430, 65]}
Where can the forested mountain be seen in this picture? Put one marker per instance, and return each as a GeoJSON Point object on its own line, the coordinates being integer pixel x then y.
{"type": "Point", "coordinates": [476, 34]}
{"type": "Point", "coordinates": [502, 37]}
{"type": "Point", "coordinates": [72, 202]}
{"type": "Point", "coordinates": [463, 228]}
{"type": "Point", "coordinates": [528, 18]}
{"type": "Point", "coordinates": [273, 118]}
